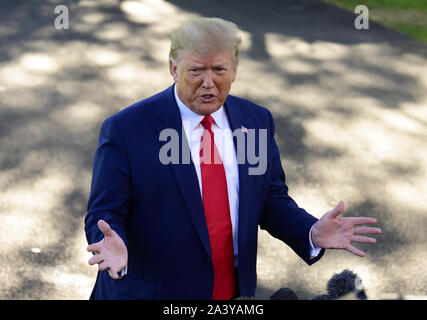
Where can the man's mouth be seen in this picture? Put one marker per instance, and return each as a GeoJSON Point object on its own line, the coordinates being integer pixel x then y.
{"type": "Point", "coordinates": [207, 97]}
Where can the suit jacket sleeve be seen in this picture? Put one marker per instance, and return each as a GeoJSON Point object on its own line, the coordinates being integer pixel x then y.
{"type": "Point", "coordinates": [281, 216]}
{"type": "Point", "coordinates": [110, 190]}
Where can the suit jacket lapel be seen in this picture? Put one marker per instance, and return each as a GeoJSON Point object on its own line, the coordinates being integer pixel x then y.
{"type": "Point", "coordinates": [185, 173]}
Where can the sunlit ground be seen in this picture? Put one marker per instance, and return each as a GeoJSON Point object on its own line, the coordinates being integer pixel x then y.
{"type": "Point", "coordinates": [351, 124]}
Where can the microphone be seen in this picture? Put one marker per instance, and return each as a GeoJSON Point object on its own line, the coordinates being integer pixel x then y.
{"type": "Point", "coordinates": [284, 294]}
{"type": "Point", "coordinates": [344, 286]}
{"type": "Point", "coordinates": [344, 283]}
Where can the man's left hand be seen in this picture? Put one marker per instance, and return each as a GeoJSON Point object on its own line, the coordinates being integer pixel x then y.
{"type": "Point", "coordinates": [334, 232]}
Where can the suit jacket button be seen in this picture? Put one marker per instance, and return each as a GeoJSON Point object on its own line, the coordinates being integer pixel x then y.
{"type": "Point", "coordinates": [208, 260]}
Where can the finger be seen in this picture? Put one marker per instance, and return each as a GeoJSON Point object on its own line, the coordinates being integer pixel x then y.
{"type": "Point", "coordinates": [94, 247]}
{"type": "Point", "coordinates": [361, 220]}
{"type": "Point", "coordinates": [337, 210]}
{"type": "Point", "coordinates": [105, 228]}
{"type": "Point", "coordinates": [355, 251]}
{"type": "Point", "coordinates": [96, 259]}
{"type": "Point", "coordinates": [115, 269]}
{"type": "Point", "coordinates": [363, 239]}
{"type": "Point", "coordinates": [103, 266]}
{"type": "Point", "coordinates": [367, 230]}
{"type": "Point", "coordinates": [112, 274]}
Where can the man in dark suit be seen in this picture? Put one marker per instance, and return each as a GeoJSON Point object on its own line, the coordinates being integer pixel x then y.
{"type": "Point", "coordinates": [182, 180]}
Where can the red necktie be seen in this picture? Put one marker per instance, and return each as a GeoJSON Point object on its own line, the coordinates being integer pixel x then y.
{"type": "Point", "coordinates": [217, 213]}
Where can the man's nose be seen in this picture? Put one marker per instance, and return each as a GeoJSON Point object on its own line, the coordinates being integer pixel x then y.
{"type": "Point", "coordinates": [207, 80]}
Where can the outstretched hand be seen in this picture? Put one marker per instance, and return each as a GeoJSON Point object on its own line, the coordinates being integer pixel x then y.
{"type": "Point", "coordinates": [110, 253]}
{"type": "Point", "coordinates": [334, 232]}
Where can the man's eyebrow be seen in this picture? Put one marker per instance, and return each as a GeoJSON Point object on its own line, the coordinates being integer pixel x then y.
{"type": "Point", "coordinates": [220, 65]}
{"type": "Point", "coordinates": [195, 65]}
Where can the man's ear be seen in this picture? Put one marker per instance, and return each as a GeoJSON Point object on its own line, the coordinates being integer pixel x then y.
{"type": "Point", "coordinates": [173, 69]}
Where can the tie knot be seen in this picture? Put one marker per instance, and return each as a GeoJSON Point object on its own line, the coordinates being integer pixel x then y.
{"type": "Point", "coordinates": [207, 122]}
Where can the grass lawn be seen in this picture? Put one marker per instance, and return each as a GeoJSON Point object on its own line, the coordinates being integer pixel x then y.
{"type": "Point", "coordinates": [406, 16]}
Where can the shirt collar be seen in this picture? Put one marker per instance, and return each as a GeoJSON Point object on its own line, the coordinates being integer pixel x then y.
{"type": "Point", "coordinates": [189, 115]}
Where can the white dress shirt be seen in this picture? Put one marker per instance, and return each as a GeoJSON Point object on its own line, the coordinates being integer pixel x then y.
{"type": "Point", "coordinates": [224, 143]}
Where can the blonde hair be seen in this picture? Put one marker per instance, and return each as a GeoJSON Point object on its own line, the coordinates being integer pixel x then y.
{"type": "Point", "coordinates": [205, 36]}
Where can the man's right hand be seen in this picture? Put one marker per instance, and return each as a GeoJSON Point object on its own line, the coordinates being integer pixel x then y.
{"type": "Point", "coordinates": [110, 253]}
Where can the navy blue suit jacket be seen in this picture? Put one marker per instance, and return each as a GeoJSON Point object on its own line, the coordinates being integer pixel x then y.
{"type": "Point", "coordinates": [157, 209]}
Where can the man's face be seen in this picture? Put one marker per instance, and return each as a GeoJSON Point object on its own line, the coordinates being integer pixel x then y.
{"type": "Point", "coordinates": [203, 82]}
